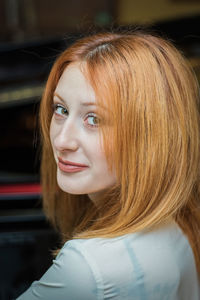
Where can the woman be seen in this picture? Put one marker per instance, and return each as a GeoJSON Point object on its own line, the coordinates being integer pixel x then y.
{"type": "Point", "coordinates": [120, 171]}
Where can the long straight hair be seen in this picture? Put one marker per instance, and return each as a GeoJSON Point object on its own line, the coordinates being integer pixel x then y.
{"type": "Point", "coordinates": [153, 143]}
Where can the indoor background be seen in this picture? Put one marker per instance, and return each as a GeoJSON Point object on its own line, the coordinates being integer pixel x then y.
{"type": "Point", "coordinates": [32, 34]}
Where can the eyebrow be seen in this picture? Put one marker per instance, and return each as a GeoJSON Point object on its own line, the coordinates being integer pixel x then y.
{"type": "Point", "coordinates": [83, 103]}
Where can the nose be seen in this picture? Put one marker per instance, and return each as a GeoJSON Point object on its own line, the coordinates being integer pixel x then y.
{"type": "Point", "coordinates": [67, 137]}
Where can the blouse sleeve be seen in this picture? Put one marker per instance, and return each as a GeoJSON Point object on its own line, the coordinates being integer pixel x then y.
{"type": "Point", "coordinates": [69, 278]}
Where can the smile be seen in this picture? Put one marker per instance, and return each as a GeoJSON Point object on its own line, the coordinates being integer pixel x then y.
{"type": "Point", "coordinates": [70, 167]}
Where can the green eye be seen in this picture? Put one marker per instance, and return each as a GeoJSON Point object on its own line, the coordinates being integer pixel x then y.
{"type": "Point", "coordinates": [92, 120]}
{"type": "Point", "coordinates": [60, 110]}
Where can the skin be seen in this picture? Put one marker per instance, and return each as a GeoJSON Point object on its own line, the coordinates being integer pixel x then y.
{"type": "Point", "coordinates": [75, 137]}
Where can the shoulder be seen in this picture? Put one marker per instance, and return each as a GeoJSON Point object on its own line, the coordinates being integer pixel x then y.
{"type": "Point", "coordinates": [70, 277]}
{"type": "Point", "coordinates": [159, 241]}
{"type": "Point", "coordinates": [147, 264]}
{"type": "Point", "coordinates": [144, 265]}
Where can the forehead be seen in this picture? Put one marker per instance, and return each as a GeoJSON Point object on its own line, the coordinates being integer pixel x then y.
{"type": "Point", "coordinates": [73, 83]}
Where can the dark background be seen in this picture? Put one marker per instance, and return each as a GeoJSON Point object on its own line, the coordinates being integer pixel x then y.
{"type": "Point", "coordinates": [32, 34]}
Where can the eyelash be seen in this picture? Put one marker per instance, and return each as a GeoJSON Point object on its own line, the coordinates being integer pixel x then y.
{"type": "Point", "coordinates": [90, 115]}
{"type": "Point", "coordinates": [56, 107]}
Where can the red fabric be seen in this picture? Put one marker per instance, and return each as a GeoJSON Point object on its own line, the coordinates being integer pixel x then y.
{"type": "Point", "coordinates": [32, 188]}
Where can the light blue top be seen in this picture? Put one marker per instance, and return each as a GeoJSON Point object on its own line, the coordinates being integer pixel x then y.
{"type": "Point", "coordinates": [150, 265]}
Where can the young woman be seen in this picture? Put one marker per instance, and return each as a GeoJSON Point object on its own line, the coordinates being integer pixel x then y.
{"type": "Point", "coordinates": [120, 171]}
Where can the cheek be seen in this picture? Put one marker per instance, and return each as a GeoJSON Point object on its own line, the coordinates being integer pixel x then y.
{"type": "Point", "coordinates": [106, 167]}
{"type": "Point", "coordinates": [105, 160]}
{"type": "Point", "coordinates": [106, 176]}
{"type": "Point", "coordinates": [97, 150]}
{"type": "Point", "coordinates": [101, 161]}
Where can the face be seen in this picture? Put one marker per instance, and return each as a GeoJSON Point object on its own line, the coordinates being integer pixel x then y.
{"type": "Point", "coordinates": [81, 163]}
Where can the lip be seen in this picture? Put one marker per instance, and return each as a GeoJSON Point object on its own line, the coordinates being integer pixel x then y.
{"type": "Point", "coordinates": [69, 166]}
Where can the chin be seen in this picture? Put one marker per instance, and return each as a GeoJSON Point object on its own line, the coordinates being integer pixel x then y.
{"type": "Point", "coordinates": [79, 191]}
{"type": "Point", "coordinates": [72, 191]}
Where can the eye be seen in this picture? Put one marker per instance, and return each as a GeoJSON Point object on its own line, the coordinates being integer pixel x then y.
{"type": "Point", "coordinates": [60, 110]}
{"type": "Point", "coordinates": [92, 120]}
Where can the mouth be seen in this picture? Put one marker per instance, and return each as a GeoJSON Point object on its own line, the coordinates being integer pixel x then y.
{"type": "Point", "coordinates": [69, 166]}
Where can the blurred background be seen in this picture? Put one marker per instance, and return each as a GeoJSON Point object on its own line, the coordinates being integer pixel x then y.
{"type": "Point", "coordinates": [32, 34]}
